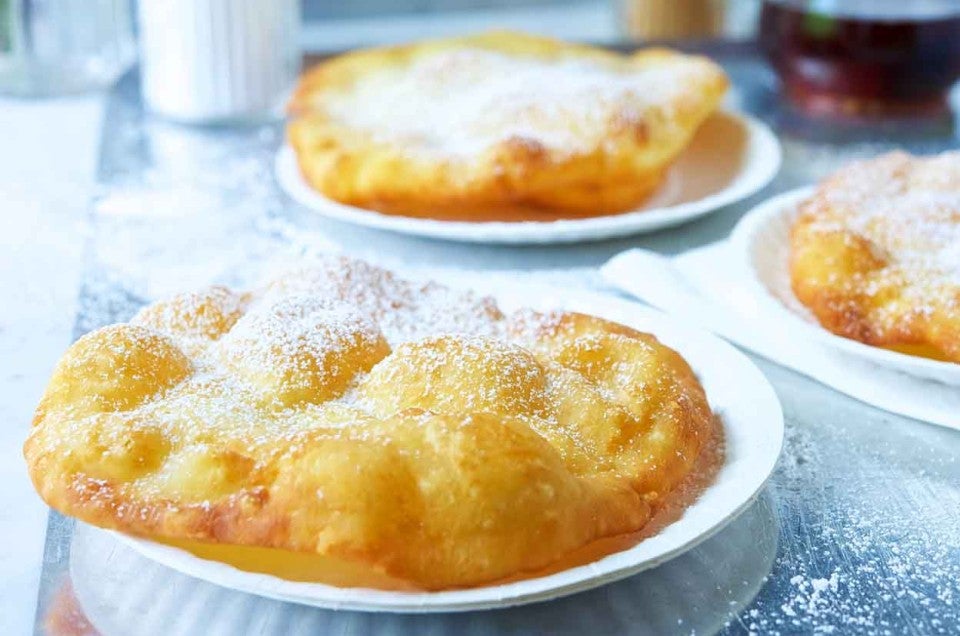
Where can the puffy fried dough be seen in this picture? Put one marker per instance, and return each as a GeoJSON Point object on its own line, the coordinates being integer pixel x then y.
{"type": "Point", "coordinates": [875, 253]}
{"type": "Point", "coordinates": [322, 414]}
{"type": "Point", "coordinates": [444, 128]}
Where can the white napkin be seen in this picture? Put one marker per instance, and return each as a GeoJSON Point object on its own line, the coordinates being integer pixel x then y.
{"type": "Point", "coordinates": [699, 286]}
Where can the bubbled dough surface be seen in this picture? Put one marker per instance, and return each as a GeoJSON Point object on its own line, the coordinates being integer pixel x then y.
{"type": "Point", "coordinates": [875, 253]}
{"type": "Point", "coordinates": [344, 412]}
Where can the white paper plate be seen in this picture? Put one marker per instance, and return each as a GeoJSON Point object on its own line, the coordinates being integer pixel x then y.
{"type": "Point", "coordinates": [731, 157]}
{"type": "Point", "coordinates": [738, 393]}
{"type": "Point", "coordinates": [121, 593]}
{"type": "Point", "coordinates": [761, 241]}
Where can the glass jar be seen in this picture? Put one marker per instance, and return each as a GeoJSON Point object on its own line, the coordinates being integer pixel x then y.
{"type": "Point", "coordinates": [53, 47]}
{"type": "Point", "coordinates": [864, 57]}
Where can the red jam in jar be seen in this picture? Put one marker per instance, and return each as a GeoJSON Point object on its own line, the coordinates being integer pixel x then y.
{"type": "Point", "coordinates": [861, 57]}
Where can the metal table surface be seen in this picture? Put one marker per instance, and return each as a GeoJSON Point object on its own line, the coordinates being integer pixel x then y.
{"type": "Point", "coordinates": [858, 530]}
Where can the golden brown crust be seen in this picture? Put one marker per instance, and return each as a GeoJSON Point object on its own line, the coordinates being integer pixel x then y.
{"type": "Point", "coordinates": [447, 459]}
{"type": "Point", "coordinates": [874, 253]}
{"type": "Point", "coordinates": [496, 121]}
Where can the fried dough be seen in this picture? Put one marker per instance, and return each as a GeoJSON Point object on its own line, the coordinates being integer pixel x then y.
{"type": "Point", "coordinates": [344, 412]}
{"type": "Point", "coordinates": [498, 122]}
{"type": "Point", "coordinates": [875, 253]}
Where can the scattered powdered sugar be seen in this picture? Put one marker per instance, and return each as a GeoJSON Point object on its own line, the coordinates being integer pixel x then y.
{"type": "Point", "coordinates": [872, 593]}
{"type": "Point", "coordinates": [853, 560]}
{"type": "Point", "coordinates": [465, 101]}
{"type": "Point", "coordinates": [812, 595]}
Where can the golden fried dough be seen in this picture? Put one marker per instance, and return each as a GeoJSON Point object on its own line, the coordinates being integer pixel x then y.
{"type": "Point", "coordinates": [345, 413]}
{"type": "Point", "coordinates": [875, 253]}
{"type": "Point", "coordinates": [498, 124]}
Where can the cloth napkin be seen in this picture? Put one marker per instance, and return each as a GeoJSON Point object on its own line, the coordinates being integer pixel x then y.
{"type": "Point", "coordinates": [701, 286]}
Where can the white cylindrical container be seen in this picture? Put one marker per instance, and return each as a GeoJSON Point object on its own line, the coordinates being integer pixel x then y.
{"type": "Point", "coordinates": [218, 60]}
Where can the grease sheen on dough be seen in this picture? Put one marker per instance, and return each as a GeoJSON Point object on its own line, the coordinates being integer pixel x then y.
{"type": "Point", "coordinates": [341, 411]}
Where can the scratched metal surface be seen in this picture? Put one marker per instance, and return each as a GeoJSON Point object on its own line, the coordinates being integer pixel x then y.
{"type": "Point", "coordinates": [857, 532]}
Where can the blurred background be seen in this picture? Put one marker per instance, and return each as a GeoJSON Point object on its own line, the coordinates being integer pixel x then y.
{"type": "Point", "coordinates": [855, 57]}
{"type": "Point", "coordinates": [62, 46]}
{"type": "Point", "coordinates": [100, 178]}
{"type": "Point", "coordinates": [605, 22]}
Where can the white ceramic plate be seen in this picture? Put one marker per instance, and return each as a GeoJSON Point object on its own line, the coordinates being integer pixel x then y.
{"type": "Point", "coordinates": [738, 393]}
{"type": "Point", "coordinates": [731, 157]}
{"type": "Point", "coordinates": [761, 241]}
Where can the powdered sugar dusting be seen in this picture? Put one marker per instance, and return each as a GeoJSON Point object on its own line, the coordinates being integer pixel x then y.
{"type": "Point", "coordinates": [311, 334]}
{"type": "Point", "coordinates": [465, 101]}
{"type": "Point", "coordinates": [403, 309]}
{"type": "Point", "coordinates": [907, 207]}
